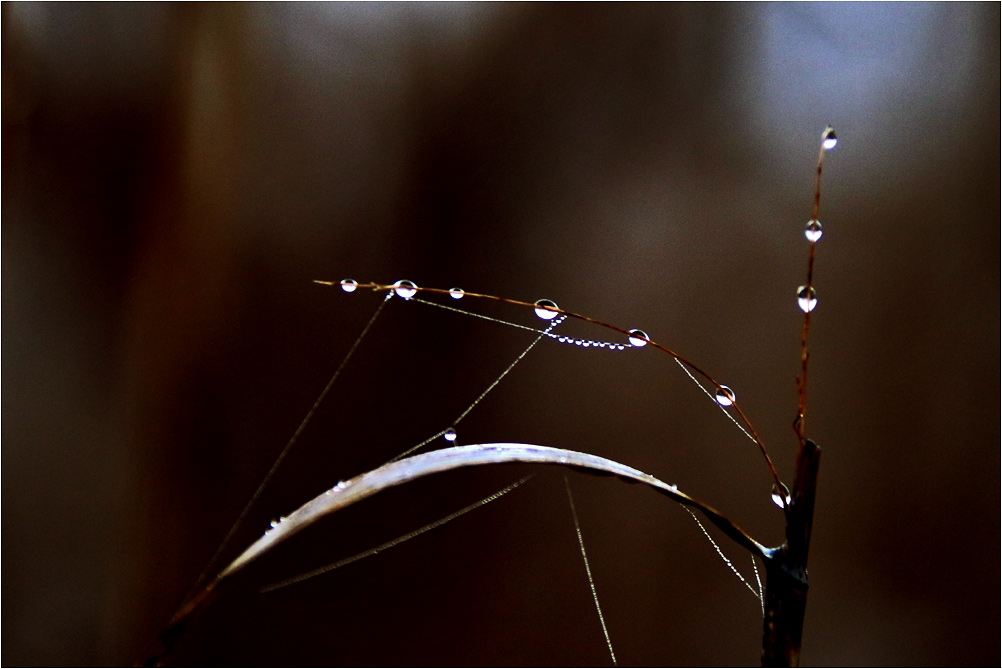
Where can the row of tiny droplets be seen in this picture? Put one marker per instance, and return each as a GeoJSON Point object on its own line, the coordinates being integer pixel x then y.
{"type": "Point", "coordinates": [546, 310]}
{"type": "Point", "coordinates": [807, 300]}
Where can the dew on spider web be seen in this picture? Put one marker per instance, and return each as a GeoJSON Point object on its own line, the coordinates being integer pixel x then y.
{"type": "Point", "coordinates": [546, 310]}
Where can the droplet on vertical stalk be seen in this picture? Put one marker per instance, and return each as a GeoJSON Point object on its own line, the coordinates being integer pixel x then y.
{"type": "Point", "coordinates": [813, 230]}
{"type": "Point", "coordinates": [828, 139]}
{"type": "Point", "coordinates": [807, 298]}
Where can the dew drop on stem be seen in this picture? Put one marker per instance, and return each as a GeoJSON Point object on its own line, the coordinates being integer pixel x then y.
{"type": "Point", "coordinates": [456, 293]}
{"type": "Point", "coordinates": [349, 285]}
{"type": "Point", "coordinates": [544, 309]}
{"type": "Point", "coordinates": [828, 139]}
{"type": "Point", "coordinates": [807, 298]}
{"type": "Point", "coordinates": [725, 396]}
{"type": "Point", "coordinates": [778, 497]}
{"type": "Point", "coordinates": [813, 230]}
{"type": "Point", "coordinates": [405, 289]}
{"type": "Point", "coordinates": [638, 338]}
{"type": "Point", "coordinates": [450, 435]}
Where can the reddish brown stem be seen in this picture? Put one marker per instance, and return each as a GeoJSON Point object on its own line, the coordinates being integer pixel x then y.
{"type": "Point", "coordinates": [588, 319]}
{"type": "Point", "coordinates": [799, 423]}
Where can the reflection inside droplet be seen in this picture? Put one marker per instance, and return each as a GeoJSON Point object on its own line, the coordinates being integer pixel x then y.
{"type": "Point", "coordinates": [725, 396]}
{"type": "Point", "coordinates": [828, 139]}
{"type": "Point", "coordinates": [544, 309]}
{"type": "Point", "coordinates": [813, 230]}
{"type": "Point", "coordinates": [807, 298]}
{"type": "Point", "coordinates": [405, 289]}
{"type": "Point", "coordinates": [638, 338]}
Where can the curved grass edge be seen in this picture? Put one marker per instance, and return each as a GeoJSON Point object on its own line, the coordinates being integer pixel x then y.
{"type": "Point", "coordinates": [365, 485]}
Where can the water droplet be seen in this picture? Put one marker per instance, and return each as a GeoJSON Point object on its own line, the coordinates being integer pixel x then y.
{"type": "Point", "coordinates": [725, 396]}
{"type": "Point", "coordinates": [405, 289]}
{"type": "Point", "coordinates": [275, 523]}
{"type": "Point", "coordinates": [450, 435]}
{"type": "Point", "coordinates": [349, 285]}
{"type": "Point", "coordinates": [807, 298]}
{"type": "Point", "coordinates": [828, 139]}
{"type": "Point", "coordinates": [543, 309]}
{"type": "Point", "coordinates": [638, 338]}
{"type": "Point", "coordinates": [813, 230]}
{"type": "Point", "coordinates": [778, 498]}
{"type": "Point", "coordinates": [456, 293]}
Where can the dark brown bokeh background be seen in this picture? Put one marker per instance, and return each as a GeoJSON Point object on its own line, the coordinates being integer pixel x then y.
{"type": "Point", "coordinates": [175, 176]}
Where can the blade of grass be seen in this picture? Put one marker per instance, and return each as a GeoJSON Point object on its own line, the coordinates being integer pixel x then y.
{"type": "Point", "coordinates": [392, 474]}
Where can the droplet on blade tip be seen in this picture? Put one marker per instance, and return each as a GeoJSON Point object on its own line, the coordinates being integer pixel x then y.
{"type": "Point", "coordinates": [828, 139]}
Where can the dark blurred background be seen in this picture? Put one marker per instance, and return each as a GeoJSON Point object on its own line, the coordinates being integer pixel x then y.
{"type": "Point", "coordinates": [175, 176]}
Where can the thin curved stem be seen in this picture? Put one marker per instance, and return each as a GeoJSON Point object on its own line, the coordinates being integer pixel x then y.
{"type": "Point", "coordinates": [379, 287]}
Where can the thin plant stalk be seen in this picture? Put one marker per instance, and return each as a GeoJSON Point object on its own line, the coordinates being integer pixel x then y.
{"type": "Point", "coordinates": [379, 287]}
{"type": "Point", "coordinates": [786, 586]}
